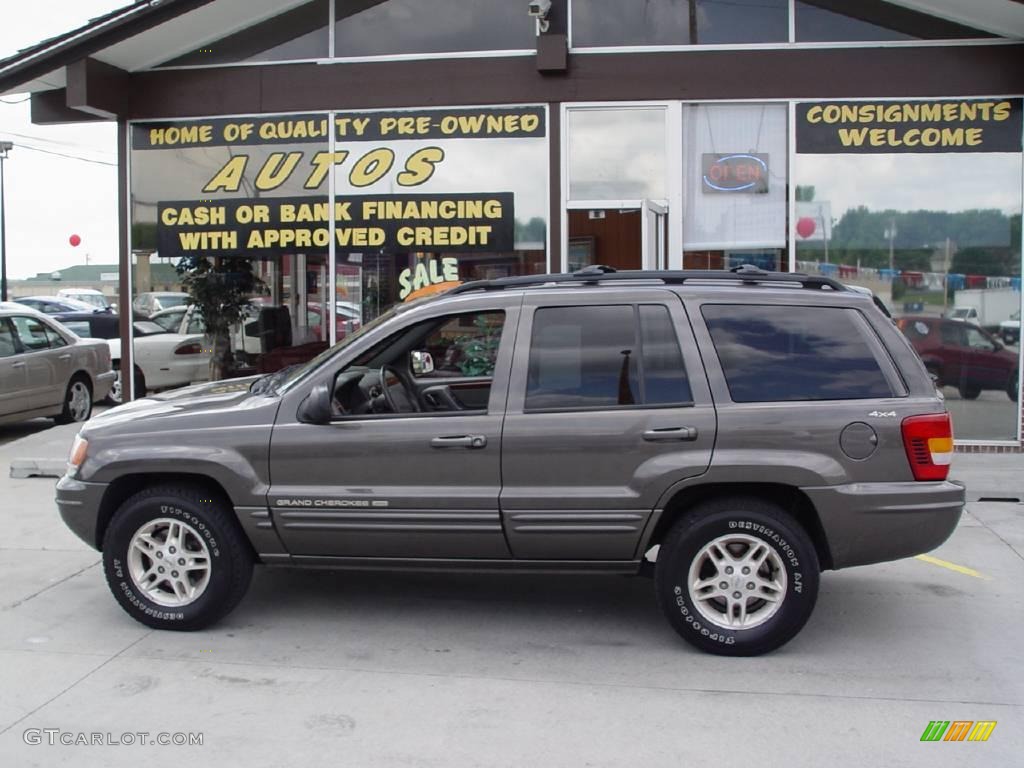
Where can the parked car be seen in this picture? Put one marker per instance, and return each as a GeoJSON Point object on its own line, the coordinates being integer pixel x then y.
{"type": "Point", "coordinates": [163, 360]}
{"type": "Point", "coordinates": [962, 355]}
{"type": "Point", "coordinates": [52, 305]}
{"type": "Point", "coordinates": [734, 436]}
{"type": "Point", "coordinates": [150, 302]}
{"type": "Point", "coordinates": [88, 295]}
{"type": "Point", "coordinates": [1009, 330]}
{"type": "Point", "coordinates": [46, 370]}
{"type": "Point", "coordinates": [169, 319]}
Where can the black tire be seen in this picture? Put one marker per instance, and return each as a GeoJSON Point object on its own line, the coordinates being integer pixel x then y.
{"type": "Point", "coordinates": [970, 391]}
{"type": "Point", "coordinates": [751, 520]}
{"type": "Point", "coordinates": [114, 398]}
{"type": "Point", "coordinates": [68, 414]}
{"type": "Point", "coordinates": [230, 556]}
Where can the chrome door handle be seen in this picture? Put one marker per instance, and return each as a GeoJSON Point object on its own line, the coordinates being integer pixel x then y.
{"type": "Point", "coordinates": [460, 441]}
{"type": "Point", "coordinates": [670, 433]}
{"type": "Point", "coordinates": [17, 365]}
{"type": "Point", "coordinates": [66, 356]}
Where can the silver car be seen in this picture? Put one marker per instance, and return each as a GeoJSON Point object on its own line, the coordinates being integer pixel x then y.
{"type": "Point", "coordinates": [46, 370]}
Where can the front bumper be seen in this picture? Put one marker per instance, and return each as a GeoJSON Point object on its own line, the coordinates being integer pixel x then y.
{"type": "Point", "coordinates": [876, 522]}
{"type": "Point", "coordinates": [79, 506]}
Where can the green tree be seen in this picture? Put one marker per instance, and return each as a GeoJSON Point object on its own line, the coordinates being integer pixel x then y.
{"type": "Point", "coordinates": [220, 289]}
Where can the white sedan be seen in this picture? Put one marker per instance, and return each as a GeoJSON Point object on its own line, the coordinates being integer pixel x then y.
{"type": "Point", "coordinates": [163, 360]}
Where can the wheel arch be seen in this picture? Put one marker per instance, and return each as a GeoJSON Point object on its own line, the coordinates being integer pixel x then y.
{"type": "Point", "coordinates": [789, 497]}
{"type": "Point", "coordinates": [126, 486]}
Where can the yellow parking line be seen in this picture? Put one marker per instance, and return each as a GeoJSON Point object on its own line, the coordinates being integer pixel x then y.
{"type": "Point", "coordinates": [953, 567]}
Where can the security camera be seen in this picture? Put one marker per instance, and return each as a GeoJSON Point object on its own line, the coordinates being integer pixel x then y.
{"type": "Point", "coordinates": [539, 8]}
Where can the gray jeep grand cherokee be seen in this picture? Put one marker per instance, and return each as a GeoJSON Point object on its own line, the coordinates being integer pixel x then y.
{"type": "Point", "coordinates": [731, 433]}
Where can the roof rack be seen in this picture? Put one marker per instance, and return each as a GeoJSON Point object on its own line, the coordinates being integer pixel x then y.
{"type": "Point", "coordinates": [595, 274]}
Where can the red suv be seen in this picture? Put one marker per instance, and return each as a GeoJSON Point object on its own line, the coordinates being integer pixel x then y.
{"type": "Point", "coordinates": [962, 355]}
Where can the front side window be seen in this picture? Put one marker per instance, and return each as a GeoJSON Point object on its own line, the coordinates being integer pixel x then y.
{"type": "Point", "coordinates": [31, 332]}
{"type": "Point", "coordinates": [977, 339]}
{"type": "Point", "coordinates": [594, 357]}
{"type": "Point", "coordinates": [465, 345]}
{"type": "Point", "coordinates": [786, 353]}
{"type": "Point", "coordinates": [445, 364]}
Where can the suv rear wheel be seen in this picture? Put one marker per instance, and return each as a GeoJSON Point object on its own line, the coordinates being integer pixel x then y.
{"type": "Point", "coordinates": [174, 558]}
{"type": "Point", "coordinates": [737, 576]}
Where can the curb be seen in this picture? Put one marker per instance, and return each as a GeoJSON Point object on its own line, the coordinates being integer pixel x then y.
{"type": "Point", "coordinates": [21, 468]}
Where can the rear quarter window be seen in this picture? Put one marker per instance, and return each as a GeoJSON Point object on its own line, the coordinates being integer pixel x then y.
{"type": "Point", "coordinates": [794, 353]}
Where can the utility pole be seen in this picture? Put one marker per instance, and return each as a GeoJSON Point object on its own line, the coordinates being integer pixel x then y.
{"type": "Point", "coordinates": [5, 147]}
{"type": "Point", "coordinates": [890, 233]}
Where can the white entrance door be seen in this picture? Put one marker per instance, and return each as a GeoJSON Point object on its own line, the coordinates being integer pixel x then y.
{"type": "Point", "coordinates": [654, 235]}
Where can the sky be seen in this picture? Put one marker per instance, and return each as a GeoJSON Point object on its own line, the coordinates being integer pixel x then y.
{"type": "Point", "coordinates": [50, 198]}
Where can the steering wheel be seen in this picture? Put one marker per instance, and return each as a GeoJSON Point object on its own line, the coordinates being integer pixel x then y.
{"type": "Point", "coordinates": [398, 392]}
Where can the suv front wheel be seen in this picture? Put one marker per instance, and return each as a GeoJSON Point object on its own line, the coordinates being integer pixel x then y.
{"type": "Point", "coordinates": [174, 558]}
{"type": "Point", "coordinates": [737, 576]}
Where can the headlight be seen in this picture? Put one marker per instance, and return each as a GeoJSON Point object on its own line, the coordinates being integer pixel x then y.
{"type": "Point", "coordinates": [79, 448]}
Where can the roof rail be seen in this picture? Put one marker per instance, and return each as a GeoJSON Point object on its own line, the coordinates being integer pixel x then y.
{"type": "Point", "coordinates": [746, 274]}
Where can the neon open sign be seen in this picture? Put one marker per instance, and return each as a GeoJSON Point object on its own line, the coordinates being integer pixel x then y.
{"type": "Point", "coordinates": [735, 172]}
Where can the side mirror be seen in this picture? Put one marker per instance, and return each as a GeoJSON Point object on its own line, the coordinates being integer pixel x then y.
{"type": "Point", "coordinates": [421, 363]}
{"type": "Point", "coordinates": [316, 408]}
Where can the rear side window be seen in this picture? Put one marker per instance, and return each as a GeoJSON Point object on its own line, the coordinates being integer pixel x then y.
{"type": "Point", "coordinates": [604, 357]}
{"type": "Point", "coordinates": [776, 354]}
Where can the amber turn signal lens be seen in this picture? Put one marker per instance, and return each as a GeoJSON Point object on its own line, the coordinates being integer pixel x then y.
{"type": "Point", "coordinates": [78, 451]}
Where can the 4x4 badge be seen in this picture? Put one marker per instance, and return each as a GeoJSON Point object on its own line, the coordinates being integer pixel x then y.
{"type": "Point", "coordinates": [883, 414]}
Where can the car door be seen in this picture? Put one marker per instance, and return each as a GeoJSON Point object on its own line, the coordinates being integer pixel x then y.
{"type": "Point", "coordinates": [14, 395]}
{"type": "Point", "coordinates": [45, 358]}
{"type": "Point", "coordinates": [985, 367]}
{"type": "Point", "coordinates": [408, 484]}
{"type": "Point", "coordinates": [608, 408]}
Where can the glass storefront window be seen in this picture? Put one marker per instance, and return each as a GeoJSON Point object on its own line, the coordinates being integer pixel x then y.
{"type": "Point", "coordinates": [236, 212]}
{"type": "Point", "coordinates": [430, 26]}
{"type": "Point", "coordinates": [735, 183]}
{"type": "Point", "coordinates": [233, 200]}
{"type": "Point", "coordinates": [617, 154]}
{"type": "Point", "coordinates": [920, 202]}
{"type": "Point", "coordinates": [463, 193]}
{"type": "Point", "coordinates": [836, 21]}
{"type": "Point", "coordinates": [598, 23]}
{"type": "Point", "coordinates": [296, 34]}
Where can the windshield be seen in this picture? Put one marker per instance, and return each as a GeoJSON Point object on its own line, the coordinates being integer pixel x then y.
{"type": "Point", "coordinates": [960, 314]}
{"type": "Point", "coordinates": [168, 300]}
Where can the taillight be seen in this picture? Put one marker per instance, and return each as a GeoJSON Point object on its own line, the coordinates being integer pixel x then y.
{"type": "Point", "coordinates": [928, 441]}
{"type": "Point", "coordinates": [189, 348]}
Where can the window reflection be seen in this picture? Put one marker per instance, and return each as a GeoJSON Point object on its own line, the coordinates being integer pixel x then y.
{"type": "Point", "coordinates": [678, 22]}
{"type": "Point", "coordinates": [774, 354]}
{"type": "Point", "coordinates": [378, 28]}
{"type": "Point", "coordinates": [937, 239]}
{"type": "Point", "coordinates": [617, 154]}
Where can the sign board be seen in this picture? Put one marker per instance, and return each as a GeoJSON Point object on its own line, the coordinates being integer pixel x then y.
{"type": "Point", "coordinates": [962, 125]}
{"type": "Point", "coordinates": [465, 222]}
{"type": "Point", "coordinates": [736, 172]}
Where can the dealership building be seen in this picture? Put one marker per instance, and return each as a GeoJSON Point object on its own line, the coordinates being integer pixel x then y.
{"type": "Point", "coordinates": [360, 153]}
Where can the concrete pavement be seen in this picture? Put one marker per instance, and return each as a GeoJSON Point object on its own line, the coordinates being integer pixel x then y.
{"type": "Point", "coordinates": [467, 670]}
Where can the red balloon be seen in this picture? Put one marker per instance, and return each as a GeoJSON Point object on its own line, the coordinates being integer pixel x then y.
{"type": "Point", "coordinates": [75, 241]}
{"type": "Point", "coordinates": [805, 227]}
